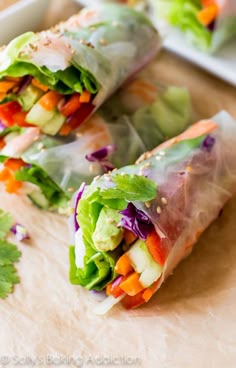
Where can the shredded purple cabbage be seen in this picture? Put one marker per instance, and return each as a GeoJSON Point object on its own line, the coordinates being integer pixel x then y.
{"type": "Point", "coordinates": [136, 221]}
{"type": "Point", "coordinates": [26, 81]}
{"type": "Point", "coordinates": [208, 143]}
{"type": "Point", "coordinates": [20, 232]}
{"type": "Point", "coordinates": [101, 156]}
{"type": "Point", "coordinates": [77, 199]}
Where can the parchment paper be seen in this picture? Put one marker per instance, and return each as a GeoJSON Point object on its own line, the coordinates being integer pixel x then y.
{"type": "Point", "coordinates": [190, 322]}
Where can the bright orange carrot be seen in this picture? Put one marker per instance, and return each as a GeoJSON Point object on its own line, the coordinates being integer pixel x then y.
{"type": "Point", "coordinates": [2, 95]}
{"type": "Point", "coordinates": [50, 100]}
{"type": "Point", "coordinates": [207, 15]}
{"type": "Point", "coordinates": [132, 285]}
{"type": "Point", "coordinates": [13, 185]}
{"type": "Point", "coordinates": [14, 164]}
{"type": "Point", "coordinates": [39, 85]}
{"type": "Point", "coordinates": [65, 130]}
{"type": "Point", "coordinates": [206, 3]}
{"type": "Point", "coordinates": [72, 105]}
{"type": "Point", "coordinates": [5, 86]}
{"type": "Point", "coordinates": [148, 293]}
{"type": "Point", "coordinates": [5, 174]}
{"type": "Point", "coordinates": [85, 97]}
{"type": "Point", "coordinates": [123, 266]}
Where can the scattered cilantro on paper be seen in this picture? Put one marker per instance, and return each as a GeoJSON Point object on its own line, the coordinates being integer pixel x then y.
{"type": "Point", "coordinates": [9, 254]}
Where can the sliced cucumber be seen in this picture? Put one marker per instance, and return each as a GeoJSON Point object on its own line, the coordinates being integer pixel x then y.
{"type": "Point", "coordinates": [39, 199]}
{"type": "Point", "coordinates": [29, 96]}
{"type": "Point", "coordinates": [143, 263]}
{"type": "Point", "coordinates": [39, 116]}
{"type": "Point", "coordinates": [50, 122]}
{"type": "Point", "coordinates": [54, 125]}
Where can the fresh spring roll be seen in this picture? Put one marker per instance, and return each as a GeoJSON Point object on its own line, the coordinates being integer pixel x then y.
{"type": "Point", "coordinates": [133, 226]}
{"type": "Point", "coordinates": [206, 24]}
{"type": "Point", "coordinates": [57, 78]}
{"type": "Point", "coordinates": [134, 120]}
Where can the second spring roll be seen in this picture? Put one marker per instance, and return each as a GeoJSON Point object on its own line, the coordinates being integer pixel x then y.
{"type": "Point", "coordinates": [137, 118]}
{"type": "Point", "coordinates": [133, 226]}
{"type": "Point", "coordinates": [57, 78]}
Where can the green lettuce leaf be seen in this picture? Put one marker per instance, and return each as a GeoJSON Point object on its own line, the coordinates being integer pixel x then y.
{"type": "Point", "coordinates": [51, 191]}
{"type": "Point", "coordinates": [183, 14]}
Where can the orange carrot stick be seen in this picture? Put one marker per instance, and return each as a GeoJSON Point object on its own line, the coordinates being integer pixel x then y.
{"type": "Point", "coordinates": [132, 285]}
{"type": "Point", "coordinates": [13, 185]}
{"type": "Point", "coordinates": [123, 266]}
{"type": "Point", "coordinates": [14, 164]}
{"type": "Point", "coordinates": [85, 97]}
{"type": "Point", "coordinates": [5, 174]}
{"type": "Point", "coordinates": [39, 85]}
{"type": "Point", "coordinates": [50, 100]}
{"type": "Point", "coordinates": [5, 86]}
{"type": "Point", "coordinates": [207, 15]}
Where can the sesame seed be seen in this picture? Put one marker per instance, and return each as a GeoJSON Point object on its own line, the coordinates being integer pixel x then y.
{"type": "Point", "coordinates": [147, 204]}
{"type": "Point", "coordinates": [79, 135]}
{"type": "Point", "coordinates": [164, 200]}
{"type": "Point", "coordinates": [158, 158]}
{"type": "Point", "coordinates": [71, 189]}
{"type": "Point", "coordinates": [189, 169]}
{"type": "Point", "coordinates": [97, 177]}
{"type": "Point", "coordinates": [159, 210]}
{"type": "Point", "coordinates": [162, 153]}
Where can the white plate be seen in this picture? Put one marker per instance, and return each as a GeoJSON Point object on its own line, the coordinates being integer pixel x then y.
{"type": "Point", "coordinates": [222, 64]}
{"type": "Point", "coordinates": [25, 15]}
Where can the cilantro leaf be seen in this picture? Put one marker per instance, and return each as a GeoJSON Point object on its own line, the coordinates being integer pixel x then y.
{"type": "Point", "coordinates": [6, 223]}
{"type": "Point", "coordinates": [8, 278]}
{"type": "Point", "coordinates": [131, 188]}
{"type": "Point", "coordinates": [8, 253]}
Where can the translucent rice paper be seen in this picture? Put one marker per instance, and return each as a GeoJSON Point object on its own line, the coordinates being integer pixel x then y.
{"type": "Point", "coordinates": [133, 121]}
{"type": "Point", "coordinates": [196, 189]}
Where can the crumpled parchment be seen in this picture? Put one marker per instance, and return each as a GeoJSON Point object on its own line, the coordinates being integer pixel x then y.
{"type": "Point", "coordinates": [190, 322]}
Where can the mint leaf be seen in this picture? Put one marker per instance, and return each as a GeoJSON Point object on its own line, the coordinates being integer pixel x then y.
{"type": "Point", "coordinates": [8, 253]}
{"type": "Point", "coordinates": [131, 188]}
{"type": "Point", "coordinates": [6, 222]}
